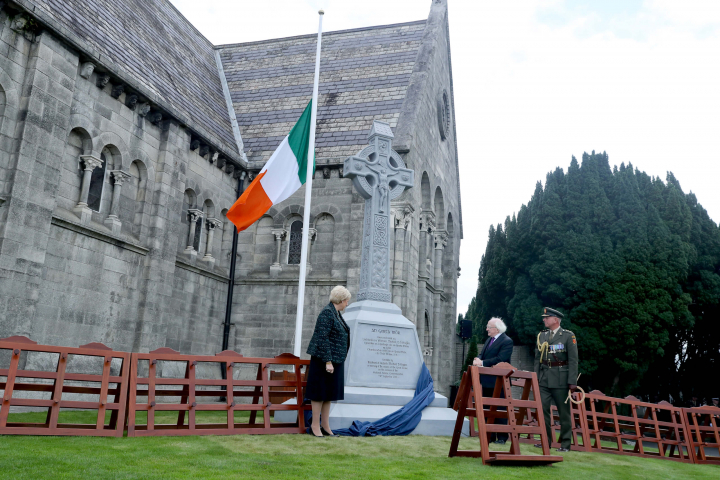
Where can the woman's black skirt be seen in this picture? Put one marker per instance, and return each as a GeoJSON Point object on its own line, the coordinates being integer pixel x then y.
{"type": "Point", "coordinates": [323, 386]}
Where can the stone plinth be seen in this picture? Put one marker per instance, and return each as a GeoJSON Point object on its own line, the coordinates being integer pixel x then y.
{"type": "Point", "coordinates": [382, 370]}
{"type": "Point", "coordinates": [384, 350]}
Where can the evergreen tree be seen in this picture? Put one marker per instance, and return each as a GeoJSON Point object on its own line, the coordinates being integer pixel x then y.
{"type": "Point", "coordinates": [633, 262]}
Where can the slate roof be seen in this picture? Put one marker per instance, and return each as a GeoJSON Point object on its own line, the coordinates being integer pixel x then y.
{"type": "Point", "coordinates": [364, 75]}
{"type": "Point", "coordinates": [157, 46]}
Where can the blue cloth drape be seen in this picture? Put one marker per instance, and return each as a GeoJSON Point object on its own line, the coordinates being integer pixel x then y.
{"type": "Point", "coordinates": [400, 422]}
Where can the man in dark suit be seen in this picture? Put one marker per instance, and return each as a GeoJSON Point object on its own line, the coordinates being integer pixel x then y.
{"type": "Point", "coordinates": [498, 348]}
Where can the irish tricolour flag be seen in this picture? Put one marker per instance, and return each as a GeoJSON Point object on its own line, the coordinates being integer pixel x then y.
{"type": "Point", "coordinates": [281, 176]}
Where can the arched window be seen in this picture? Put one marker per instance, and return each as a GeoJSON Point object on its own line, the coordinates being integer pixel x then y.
{"type": "Point", "coordinates": [97, 181]}
{"type": "Point", "coordinates": [426, 340]}
{"type": "Point", "coordinates": [295, 245]}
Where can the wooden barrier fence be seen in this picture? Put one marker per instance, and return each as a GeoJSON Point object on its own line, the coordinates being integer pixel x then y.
{"type": "Point", "coordinates": [99, 392]}
{"type": "Point", "coordinates": [282, 394]}
{"type": "Point", "coordinates": [470, 402]}
{"type": "Point", "coordinates": [631, 427]}
{"type": "Point", "coordinates": [254, 388]}
{"type": "Point", "coordinates": [703, 425]}
{"type": "Point", "coordinates": [149, 394]}
{"type": "Point", "coordinates": [627, 427]}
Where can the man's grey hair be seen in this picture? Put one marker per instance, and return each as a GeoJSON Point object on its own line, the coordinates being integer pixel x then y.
{"type": "Point", "coordinates": [499, 324]}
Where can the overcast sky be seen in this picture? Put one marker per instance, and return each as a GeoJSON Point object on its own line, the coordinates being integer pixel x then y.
{"type": "Point", "coordinates": [539, 81]}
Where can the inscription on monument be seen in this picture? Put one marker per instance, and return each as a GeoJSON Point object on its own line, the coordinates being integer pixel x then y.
{"type": "Point", "coordinates": [388, 353]}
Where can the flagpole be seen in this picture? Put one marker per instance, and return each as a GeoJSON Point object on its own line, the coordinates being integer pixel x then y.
{"type": "Point", "coordinates": [308, 195]}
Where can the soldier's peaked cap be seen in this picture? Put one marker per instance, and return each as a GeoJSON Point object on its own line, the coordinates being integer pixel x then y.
{"type": "Point", "coordinates": [551, 312]}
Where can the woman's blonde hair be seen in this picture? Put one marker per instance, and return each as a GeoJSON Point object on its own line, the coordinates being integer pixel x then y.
{"type": "Point", "coordinates": [339, 294]}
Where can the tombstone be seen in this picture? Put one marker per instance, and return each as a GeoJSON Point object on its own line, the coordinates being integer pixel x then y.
{"type": "Point", "coordinates": [384, 361]}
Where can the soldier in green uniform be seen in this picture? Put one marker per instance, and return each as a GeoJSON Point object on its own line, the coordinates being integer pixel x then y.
{"type": "Point", "coordinates": [556, 366]}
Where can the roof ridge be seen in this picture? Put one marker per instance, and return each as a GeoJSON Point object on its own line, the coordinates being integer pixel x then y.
{"type": "Point", "coordinates": [169, 2]}
{"type": "Point", "coordinates": [313, 35]}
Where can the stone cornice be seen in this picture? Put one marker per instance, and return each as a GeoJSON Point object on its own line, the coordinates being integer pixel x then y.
{"type": "Point", "coordinates": [201, 271]}
{"type": "Point", "coordinates": [99, 235]}
{"type": "Point", "coordinates": [323, 282]}
{"type": "Point", "coordinates": [433, 290]}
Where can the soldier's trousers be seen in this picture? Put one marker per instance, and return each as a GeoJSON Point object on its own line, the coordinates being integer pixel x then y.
{"type": "Point", "coordinates": [558, 396]}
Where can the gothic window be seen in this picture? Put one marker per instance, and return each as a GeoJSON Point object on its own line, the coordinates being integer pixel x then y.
{"type": "Point", "coordinates": [97, 180]}
{"type": "Point", "coordinates": [295, 245]}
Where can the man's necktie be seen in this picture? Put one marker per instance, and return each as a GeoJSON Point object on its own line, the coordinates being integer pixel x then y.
{"type": "Point", "coordinates": [491, 342]}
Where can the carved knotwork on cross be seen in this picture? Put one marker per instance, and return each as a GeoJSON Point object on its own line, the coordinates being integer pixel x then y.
{"type": "Point", "coordinates": [379, 175]}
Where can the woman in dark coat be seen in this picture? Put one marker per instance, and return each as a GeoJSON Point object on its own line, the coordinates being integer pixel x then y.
{"type": "Point", "coordinates": [328, 348]}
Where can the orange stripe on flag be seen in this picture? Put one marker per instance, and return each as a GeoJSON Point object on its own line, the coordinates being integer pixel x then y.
{"type": "Point", "coordinates": [251, 205]}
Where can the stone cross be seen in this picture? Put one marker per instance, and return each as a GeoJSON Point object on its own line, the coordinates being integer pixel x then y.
{"type": "Point", "coordinates": [379, 175]}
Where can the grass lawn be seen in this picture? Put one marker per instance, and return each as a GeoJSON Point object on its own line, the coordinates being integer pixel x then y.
{"type": "Point", "coordinates": [298, 456]}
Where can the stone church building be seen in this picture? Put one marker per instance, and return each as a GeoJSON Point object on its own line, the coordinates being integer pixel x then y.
{"type": "Point", "coordinates": [125, 136]}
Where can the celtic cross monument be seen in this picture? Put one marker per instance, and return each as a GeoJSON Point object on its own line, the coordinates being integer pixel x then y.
{"type": "Point", "coordinates": [379, 175]}
{"type": "Point", "coordinates": [384, 361]}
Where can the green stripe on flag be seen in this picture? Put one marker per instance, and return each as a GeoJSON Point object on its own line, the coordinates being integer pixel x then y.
{"type": "Point", "coordinates": [299, 140]}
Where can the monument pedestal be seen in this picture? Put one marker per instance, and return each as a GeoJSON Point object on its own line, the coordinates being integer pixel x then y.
{"type": "Point", "coordinates": [381, 372]}
{"type": "Point", "coordinates": [384, 362]}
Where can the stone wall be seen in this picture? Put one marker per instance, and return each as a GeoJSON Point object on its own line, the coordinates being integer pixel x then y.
{"type": "Point", "coordinates": [112, 211]}
{"type": "Point", "coordinates": [115, 272]}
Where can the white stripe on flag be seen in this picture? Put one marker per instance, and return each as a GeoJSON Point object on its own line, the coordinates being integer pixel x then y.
{"type": "Point", "coordinates": [281, 179]}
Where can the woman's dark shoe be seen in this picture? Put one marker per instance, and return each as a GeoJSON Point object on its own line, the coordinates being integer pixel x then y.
{"type": "Point", "coordinates": [317, 436]}
{"type": "Point", "coordinates": [326, 433]}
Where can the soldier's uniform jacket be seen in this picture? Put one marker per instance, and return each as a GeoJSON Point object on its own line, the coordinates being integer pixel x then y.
{"type": "Point", "coordinates": [562, 349]}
